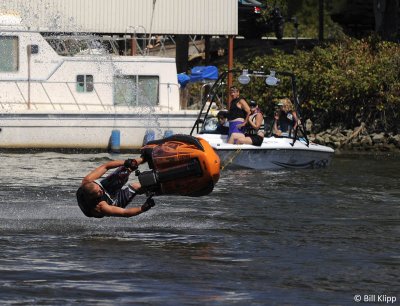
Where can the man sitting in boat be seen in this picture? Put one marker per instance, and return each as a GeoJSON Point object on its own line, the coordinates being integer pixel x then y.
{"type": "Point", "coordinates": [223, 124]}
{"type": "Point", "coordinates": [253, 134]}
{"type": "Point", "coordinates": [286, 119]}
{"type": "Point", "coordinates": [238, 115]}
{"type": "Point", "coordinates": [109, 196]}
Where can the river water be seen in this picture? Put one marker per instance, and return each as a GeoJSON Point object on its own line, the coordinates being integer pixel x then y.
{"type": "Point", "coordinates": [307, 237]}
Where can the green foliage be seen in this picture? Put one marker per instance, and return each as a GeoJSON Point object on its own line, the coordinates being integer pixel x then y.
{"type": "Point", "coordinates": [344, 82]}
{"type": "Point", "coordinates": [306, 13]}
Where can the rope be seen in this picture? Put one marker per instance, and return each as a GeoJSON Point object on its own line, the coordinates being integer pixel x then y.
{"type": "Point", "coordinates": [234, 155]}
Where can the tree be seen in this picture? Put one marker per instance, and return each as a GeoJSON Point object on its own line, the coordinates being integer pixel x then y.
{"type": "Point", "coordinates": [386, 19]}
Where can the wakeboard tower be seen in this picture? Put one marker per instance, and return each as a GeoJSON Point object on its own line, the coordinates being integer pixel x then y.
{"type": "Point", "coordinates": [179, 165]}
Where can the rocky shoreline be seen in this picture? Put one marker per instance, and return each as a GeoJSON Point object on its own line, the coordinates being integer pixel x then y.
{"type": "Point", "coordinates": [357, 140]}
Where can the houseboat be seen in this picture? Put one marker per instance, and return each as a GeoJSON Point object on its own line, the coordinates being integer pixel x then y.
{"type": "Point", "coordinates": [73, 92]}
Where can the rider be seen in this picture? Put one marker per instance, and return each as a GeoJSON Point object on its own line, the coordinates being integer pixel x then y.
{"type": "Point", "coordinates": [109, 197]}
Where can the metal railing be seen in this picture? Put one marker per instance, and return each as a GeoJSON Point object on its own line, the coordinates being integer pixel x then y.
{"type": "Point", "coordinates": [135, 41]}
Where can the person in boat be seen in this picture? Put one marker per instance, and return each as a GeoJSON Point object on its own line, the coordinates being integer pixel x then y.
{"type": "Point", "coordinates": [286, 119]}
{"type": "Point", "coordinates": [238, 114]}
{"type": "Point", "coordinates": [223, 124]}
{"type": "Point", "coordinates": [109, 196]}
{"type": "Point", "coordinates": [254, 135]}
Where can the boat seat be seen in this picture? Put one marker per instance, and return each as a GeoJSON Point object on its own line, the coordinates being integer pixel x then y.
{"type": "Point", "coordinates": [179, 137]}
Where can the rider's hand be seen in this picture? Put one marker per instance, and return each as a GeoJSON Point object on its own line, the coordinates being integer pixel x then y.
{"type": "Point", "coordinates": [131, 164]}
{"type": "Point", "coordinates": [148, 204]}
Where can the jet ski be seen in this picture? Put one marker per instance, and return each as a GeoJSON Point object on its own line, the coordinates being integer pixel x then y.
{"type": "Point", "coordinates": [179, 165]}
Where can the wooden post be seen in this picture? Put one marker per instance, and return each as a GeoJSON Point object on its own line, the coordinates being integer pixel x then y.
{"type": "Point", "coordinates": [133, 46]}
{"type": "Point", "coordinates": [207, 49]}
{"type": "Point", "coordinates": [230, 67]}
{"type": "Point", "coordinates": [182, 53]}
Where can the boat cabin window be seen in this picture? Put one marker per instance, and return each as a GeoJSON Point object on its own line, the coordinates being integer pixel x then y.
{"type": "Point", "coordinates": [136, 90]}
{"type": "Point", "coordinates": [9, 53]}
{"type": "Point", "coordinates": [84, 83]}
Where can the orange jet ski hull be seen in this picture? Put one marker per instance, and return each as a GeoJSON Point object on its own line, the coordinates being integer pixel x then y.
{"type": "Point", "coordinates": [181, 165]}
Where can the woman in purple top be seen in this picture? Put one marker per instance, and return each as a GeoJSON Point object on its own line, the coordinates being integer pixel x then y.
{"type": "Point", "coordinates": [239, 112]}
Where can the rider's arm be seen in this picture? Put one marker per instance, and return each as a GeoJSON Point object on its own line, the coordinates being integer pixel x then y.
{"type": "Point", "coordinates": [99, 171]}
{"type": "Point", "coordinates": [105, 209]}
{"type": "Point", "coordinates": [114, 211]}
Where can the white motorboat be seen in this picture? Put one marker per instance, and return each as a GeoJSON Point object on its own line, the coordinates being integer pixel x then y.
{"type": "Point", "coordinates": [274, 153]}
{"type": "Point", "coordinates": [295, 152]}
{"type": "Point", "coordinates": [71, 92]}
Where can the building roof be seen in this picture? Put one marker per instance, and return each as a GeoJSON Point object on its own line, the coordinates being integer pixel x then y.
{"type": "Point", "coordinates": [202, 17]}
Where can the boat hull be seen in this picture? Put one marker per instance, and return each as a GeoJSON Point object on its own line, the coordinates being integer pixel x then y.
{"type": "Point", "coordinates": [271, 159]}
{"type": "Point", "coordinates": [86, 130]}
{"type": "Point", "coordinates": [274, 154]}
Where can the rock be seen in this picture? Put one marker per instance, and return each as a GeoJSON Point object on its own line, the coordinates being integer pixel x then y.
{"type": "Point", "coordinates": [366, 141]}
{"type": "Point", "coordinates": [378, 138]}
{"type": "Point", "coordinates": [333, 138]}
{"type": "Point", "coordinates": [348, 132]}
{"type": "Point", "coordinates": [308, 125]}
{"type": "Point", "coordinates": [362, 141]}
{"type": "Point", "coordinates": [395, 140]}
{"type": "Point", "coordinates": [340, 135]}
{"type": "Point", "coordinates": [319, 139]}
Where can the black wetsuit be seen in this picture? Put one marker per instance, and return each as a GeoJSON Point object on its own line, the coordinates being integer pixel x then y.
{"type": "Point", "coordinates": [114, 193]}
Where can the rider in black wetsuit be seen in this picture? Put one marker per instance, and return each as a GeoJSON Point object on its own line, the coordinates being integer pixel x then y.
{"type": "Point", "coordinates": [109, 196]}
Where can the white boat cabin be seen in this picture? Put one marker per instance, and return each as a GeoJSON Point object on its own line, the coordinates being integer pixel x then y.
{"type": "Point", "coordinates": [75, 74]}
{"type": "Point", "coordinates": [59, 91]}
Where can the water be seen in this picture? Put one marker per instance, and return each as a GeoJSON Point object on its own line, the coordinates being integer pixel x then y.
{"type": "Point", "coordinates": [309, 237]}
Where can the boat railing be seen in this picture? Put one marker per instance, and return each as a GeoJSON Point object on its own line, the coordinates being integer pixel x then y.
{"type": "Point", "coordinates": [71, 45]}
{"type": "Point", "coordinates": [207, 101]}
{"type": "Point", "coordinates": [50, 97]}
{"type": "Point", "coordinates": [135, 41]}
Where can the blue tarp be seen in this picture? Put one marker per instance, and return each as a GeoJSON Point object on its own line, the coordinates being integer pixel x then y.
{"type": "Point", "coordinates": [183, 79]}
{"type": "Point", "coordinates": [198, 73]}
